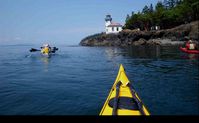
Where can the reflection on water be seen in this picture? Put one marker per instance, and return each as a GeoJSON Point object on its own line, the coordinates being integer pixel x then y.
{"type": "Point", "coordinates": [111, 54]}
{"type": "Point", "coordinates": [190, 56]}
{"type": "Point", "coordinates": [45, 60]}
{"type": "Point", "coordinates": [145, 51]}
{"type": "Point", "coordinates": [156, 52]}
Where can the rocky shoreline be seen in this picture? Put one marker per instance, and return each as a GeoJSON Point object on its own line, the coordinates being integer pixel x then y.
{"type": "Point", "coordinates": [174, 36]}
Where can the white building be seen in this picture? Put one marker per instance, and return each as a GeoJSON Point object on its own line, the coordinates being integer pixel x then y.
{"type": "Point", "coordinates": [111, 27]}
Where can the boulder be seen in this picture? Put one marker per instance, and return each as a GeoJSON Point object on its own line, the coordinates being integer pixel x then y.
{"type": "Point", "coordinates": [141, 41]}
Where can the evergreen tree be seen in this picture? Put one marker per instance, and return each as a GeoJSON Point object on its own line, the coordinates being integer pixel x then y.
{"type": "Point", "coordinates": [159, 5]}
{"type": "Point", "coordinates": [151, 8]}
{"type": "Point", "coordinates": [145, 9]}
{"type": "Point", "coordinates": [195, 7]}
{"type": "Point", "coordinates": [178, 2]}
{"type": "Point", "coordinates": [167, 14]}
{"type": "Point", "coordinates": [171, 3]}
{"type": "Point", "coordinates": [132, 13]}
{"type": "Point", "coordinates": [166, 4]}
{"type": "Point", "coordinates": [127, 17]}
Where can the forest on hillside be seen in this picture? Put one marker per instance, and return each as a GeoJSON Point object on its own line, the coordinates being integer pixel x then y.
{"type": "Point", "coordinates": [166, 14]}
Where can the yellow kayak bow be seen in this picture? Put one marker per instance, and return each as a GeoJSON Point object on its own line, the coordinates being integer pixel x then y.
{"type": "Point", "coordinates": [122, 99]}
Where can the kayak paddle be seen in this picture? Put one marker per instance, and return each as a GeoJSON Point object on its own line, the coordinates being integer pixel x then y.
{"type": "Point", "coordinates": [54, 49]}
{"type": "Point", "coordinates": [33, 50]}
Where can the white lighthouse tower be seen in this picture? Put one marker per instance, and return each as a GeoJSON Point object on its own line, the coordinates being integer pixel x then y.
{"type": "Point", "coordinates": [111, 27]}
{"type": "Point", "coordinates": [108, 20]}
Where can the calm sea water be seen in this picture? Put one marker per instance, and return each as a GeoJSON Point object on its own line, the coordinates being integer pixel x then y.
{"type": "Point", "coordinates": [76, 80]}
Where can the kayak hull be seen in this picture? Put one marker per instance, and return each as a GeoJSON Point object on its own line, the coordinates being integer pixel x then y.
{"type": "Point", "coordinates": [189, 51]}
{"type": "Point", "coordinates": [125, 99]}
{"type": "Point", "coordinates": [47, 55]}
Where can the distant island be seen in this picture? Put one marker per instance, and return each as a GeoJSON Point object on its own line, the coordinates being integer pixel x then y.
{"type": "Point", "coordinates": [170, 23]}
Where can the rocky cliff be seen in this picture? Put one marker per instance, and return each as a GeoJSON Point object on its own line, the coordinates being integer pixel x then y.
{"type": "Point", "coordinates": [125, 38]}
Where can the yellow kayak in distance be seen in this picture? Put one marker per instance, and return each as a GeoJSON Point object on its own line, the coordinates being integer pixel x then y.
{"type": "Point", "coordinates": [46, 52]}
{"type": "Point", "coordinates": [122, 99]}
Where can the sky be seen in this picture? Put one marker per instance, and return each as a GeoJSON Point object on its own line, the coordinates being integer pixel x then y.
{"type": "Point", "coordinates": [60, 21]}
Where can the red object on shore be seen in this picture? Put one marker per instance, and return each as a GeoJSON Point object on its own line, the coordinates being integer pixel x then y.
{"type": "Point", "coordinates": [189, 51]}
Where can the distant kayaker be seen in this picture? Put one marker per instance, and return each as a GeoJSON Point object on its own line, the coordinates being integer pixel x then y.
{"type": "Point", "coordinates": [190, 45]}
{"type": "Point", "coordinates": [46, 49]}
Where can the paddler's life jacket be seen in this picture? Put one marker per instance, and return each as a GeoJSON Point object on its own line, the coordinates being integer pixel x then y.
{"type": "Point", "coordinates": [190, 46]}
{"type": "Point", "coordinates": [45, 50]}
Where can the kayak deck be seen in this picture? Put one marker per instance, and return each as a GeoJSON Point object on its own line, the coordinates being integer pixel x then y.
{"type": "Point", "coordinates": [189, 51]}
{"type": "Point", "coordinates": [122, 99]}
